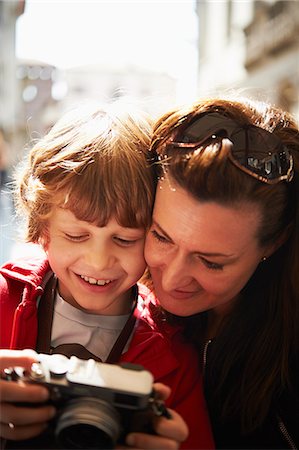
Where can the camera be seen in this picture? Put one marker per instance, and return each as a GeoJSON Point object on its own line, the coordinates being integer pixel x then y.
{"type": "Point", "coordinates": [97, 403]}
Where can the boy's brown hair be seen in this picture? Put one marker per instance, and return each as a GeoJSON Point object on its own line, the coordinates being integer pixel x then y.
{"type": "Point", "coordinates": [94, 162]}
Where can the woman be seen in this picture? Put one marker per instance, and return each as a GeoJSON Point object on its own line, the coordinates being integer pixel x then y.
{"type": "Point", "coordinates": [223, 257]}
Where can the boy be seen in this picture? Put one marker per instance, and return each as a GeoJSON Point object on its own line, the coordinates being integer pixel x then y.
{"type": "Point", "coordinates": [87, 192]}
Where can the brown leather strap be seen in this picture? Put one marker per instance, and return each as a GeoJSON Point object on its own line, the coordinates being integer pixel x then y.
{"type": "Point", "coordinates": [45, 315]}
{"type": "Point", "coordinates": [74, 350]}
{"type": "Point", "coordinates": [45, 320]}
{"type": "Point", "coordinates": [119, 345]}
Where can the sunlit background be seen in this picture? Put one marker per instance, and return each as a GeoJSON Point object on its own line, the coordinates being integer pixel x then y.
{"type": "Point", "coordinates": [160, 53]}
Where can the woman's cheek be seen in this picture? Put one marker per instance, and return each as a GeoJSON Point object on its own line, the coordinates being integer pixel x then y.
{"type": "Point", "coordinates": [152, 254]}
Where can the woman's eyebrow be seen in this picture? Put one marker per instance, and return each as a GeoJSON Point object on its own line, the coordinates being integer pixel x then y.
{"type": "Point", "coordinates": [198, 252]}
{"type": "Point", "coordinates": [161, 230]}
{"type": "Point", "coordinates": [215, 254]}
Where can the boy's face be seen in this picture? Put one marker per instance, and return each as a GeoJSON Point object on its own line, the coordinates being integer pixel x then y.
{"type": "Point", "coordinates": [95, 266]}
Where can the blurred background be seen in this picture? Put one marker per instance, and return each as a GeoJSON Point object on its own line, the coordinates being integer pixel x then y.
{"type": "Point", "coordinates": [160, 53]}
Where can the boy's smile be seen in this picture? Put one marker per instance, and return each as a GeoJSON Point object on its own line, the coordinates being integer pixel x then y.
{"type": "Point", "coordinates": [95, 266]}
{"type": "Point", "coordinates": [94, 281]}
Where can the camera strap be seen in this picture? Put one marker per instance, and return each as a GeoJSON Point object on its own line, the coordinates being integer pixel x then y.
{"type": "Point", "coordinates": [45, 319]}
{"type": "Point", "coordinates": [121, 341]}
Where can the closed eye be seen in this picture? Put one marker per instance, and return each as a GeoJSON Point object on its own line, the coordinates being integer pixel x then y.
{"type": "Point", "coordinates": [211, 265]}
{"type": "Point", "coordinates": [159, 237]}
{"type": "Point", "coordinates": [76, 238]}
{"type": "Point", "coordinates": [124, 242]}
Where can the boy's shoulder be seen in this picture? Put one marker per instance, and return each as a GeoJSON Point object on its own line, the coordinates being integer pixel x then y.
{"type": "Point", "coordinates": [158, 345]}
{"type": "Point", "coordinates": [153, 314]}
{"type": "Point", "coordinates": [25, 270]}
{"type": "Point", "coordinates": [148, 308]}
{"type": "Point", "coordinates": [21, 283]}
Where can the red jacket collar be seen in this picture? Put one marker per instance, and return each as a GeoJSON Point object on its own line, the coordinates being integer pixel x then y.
{"type": "Point", "coordinates": [29, 271]}
{"type": "Point", "coordinates": [21, 283]}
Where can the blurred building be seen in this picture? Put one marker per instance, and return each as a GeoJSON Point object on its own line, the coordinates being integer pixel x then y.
{"type": "Point", "coordinates": [47, 91]}
{"type": "Point", "coordinates": [103, 83]}
{"type": "Point", "coordinates": [39, 92]}
{"type": "Point", "coordinates": [10, 10]}
{"type": "Point", "coordinates": [251, 47]}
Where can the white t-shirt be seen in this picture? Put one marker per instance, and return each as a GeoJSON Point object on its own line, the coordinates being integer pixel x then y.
{"type": "Point", "coordinates": [95, 332]}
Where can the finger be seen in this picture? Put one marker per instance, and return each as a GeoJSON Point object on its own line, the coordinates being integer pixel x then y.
{"type": "Point", "coordinates": [21, 416]}
{"type": "Point", "coordinates": [18, 433]}
{"type": "Point", "coordinates": [174, 428]}
{"type": "Point", "coordinates": [23, 358]}
{"type": "Point", "coordinates": [11, 391]}
{"type": "Point", "coordinates": [146, 442]}
{"type": "Point", "coordinates": [162, 390]}
{"type": "Point", "coordinates": [170, 434]}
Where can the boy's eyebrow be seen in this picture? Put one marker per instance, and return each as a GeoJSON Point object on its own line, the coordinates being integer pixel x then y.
{"type": "Point", "coordinates": [199, 252]}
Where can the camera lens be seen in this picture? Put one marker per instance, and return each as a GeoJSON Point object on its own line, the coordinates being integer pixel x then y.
{"type": "Point", "coordinates": [88, 423]}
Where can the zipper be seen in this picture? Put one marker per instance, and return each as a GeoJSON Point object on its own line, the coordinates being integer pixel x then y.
{"type": "Point", "coordinates": [204, 356]}
{"type": "Point", "coordinates": [285, 433]}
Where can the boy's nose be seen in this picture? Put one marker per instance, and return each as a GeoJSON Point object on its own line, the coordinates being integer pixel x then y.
{"type": "Point", "coordinates": [100, 257]}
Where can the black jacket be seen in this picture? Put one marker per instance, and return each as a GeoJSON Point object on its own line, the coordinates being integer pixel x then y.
{"type": "Point", "coordinates": [279, 430]}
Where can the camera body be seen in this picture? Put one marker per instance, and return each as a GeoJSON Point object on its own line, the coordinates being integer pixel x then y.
{"type": "Point", "coordinates": [97, 403]}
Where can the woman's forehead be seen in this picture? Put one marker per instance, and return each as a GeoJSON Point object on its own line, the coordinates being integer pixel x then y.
{"type": "Point", "coordinates": [212, 225]}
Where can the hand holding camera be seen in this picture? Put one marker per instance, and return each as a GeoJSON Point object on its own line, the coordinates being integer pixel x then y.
{"type": "Point", "coordinates": [97, 404]}
{"type": "Point", "coordinates": [24, 422]}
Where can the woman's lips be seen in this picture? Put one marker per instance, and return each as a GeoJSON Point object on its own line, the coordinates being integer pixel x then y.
{"type": "Point", "coordinates": [180, 294]}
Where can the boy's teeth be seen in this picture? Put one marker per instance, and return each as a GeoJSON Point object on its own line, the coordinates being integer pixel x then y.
{"type": "Point", "coordinates": [94, 281]}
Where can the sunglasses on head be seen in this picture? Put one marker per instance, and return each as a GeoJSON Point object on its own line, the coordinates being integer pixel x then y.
{"type": "Point", "coordinates": [254, 150]}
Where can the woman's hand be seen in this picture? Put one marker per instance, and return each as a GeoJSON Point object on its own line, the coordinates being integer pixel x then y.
{"type": "Point", "coordinates": [22, 422]}
{"type": "Point", "coordinates": [170, 432]}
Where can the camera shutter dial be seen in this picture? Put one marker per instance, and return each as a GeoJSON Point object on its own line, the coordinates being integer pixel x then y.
{"type": "Point", "coordinates": [36, 372]}
{"type": "Point", "coordinates": [58, 365]}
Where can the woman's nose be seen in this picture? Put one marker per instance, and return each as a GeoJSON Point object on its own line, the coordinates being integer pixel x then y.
{"type": "Point", "coordinates": [175, 273]}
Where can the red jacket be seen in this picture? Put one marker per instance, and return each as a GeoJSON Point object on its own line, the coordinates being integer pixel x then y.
{"type": "Point", "coordinates": [159, 348]}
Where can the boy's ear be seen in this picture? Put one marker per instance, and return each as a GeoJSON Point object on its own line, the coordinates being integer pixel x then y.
{"type": "Point", "coordinates": [279, 241]}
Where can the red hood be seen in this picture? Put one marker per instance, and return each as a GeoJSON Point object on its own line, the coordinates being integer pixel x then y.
{"type": "Point", "coordinates": [21, 283]}
{"type": "Point", "coordinates": [29, 271]}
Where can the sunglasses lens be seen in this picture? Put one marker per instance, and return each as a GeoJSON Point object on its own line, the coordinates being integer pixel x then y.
{"type": "Point", "coordinates": [258, 151]}
{"type": "Point", "coordinates": [203, 128]}
{"type": "Point", "coordinates": [261, 152]}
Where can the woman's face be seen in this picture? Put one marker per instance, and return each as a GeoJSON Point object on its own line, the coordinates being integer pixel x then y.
{"type": "Point", "coordinates": [200, 254]}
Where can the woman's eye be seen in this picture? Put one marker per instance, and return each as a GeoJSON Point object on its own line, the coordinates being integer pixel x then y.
{"type": "Point", "coordinates": [211, 265]}
{"type": "Point", "coordinates": [158, 236]}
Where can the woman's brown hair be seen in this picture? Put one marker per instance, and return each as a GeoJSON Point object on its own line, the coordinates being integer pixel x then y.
{"type": "Point", "coordinates": [257, 343]}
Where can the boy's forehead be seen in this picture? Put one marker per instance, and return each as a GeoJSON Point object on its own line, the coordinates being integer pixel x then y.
{"type": "Point", "coordinates": [68, 217]}
{"type": "Point", "coordinates": [96, 199]}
